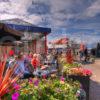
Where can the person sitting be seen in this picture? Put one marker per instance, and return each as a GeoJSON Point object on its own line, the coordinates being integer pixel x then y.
{"type": "Point", "coordinates": [22, 67]}
{"type": "Point", "coordinates": [35, 61]}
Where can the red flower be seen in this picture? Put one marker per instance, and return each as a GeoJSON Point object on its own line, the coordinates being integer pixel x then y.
{"type": "Point", "coordinates": [81, 71]}
{"type": "Point", "coordinates": [11, 52]}
{"type": "Point", "coordinates": [87, 72]}
{"type": "Point", "coordinates": [44, 76]}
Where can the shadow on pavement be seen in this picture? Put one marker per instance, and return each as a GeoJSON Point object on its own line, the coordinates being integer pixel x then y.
{"type": "Point", "coordinates": [94, 90]}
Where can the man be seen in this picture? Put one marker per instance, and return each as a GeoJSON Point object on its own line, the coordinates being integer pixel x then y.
{"type": "Point", "coordinates": [23, 67]}
{"type": "Point", "coordinates": [81, 51]}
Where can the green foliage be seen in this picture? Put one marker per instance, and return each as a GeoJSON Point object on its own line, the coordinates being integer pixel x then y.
{"type": "Point", "coordinates": [51, 89]}
{"type": "Point", "coordinates": [67, 68]}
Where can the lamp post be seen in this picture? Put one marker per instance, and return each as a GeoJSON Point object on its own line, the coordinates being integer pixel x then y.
{"type": "Point", "coordinates": [45, 43]}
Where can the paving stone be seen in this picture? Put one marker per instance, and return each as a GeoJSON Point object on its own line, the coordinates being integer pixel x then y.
{"type": "Point", "coordinates": [95, 80]}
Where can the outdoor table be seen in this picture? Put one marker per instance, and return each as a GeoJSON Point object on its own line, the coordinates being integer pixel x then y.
{"type": "Point", "coordinates": [44, 67]}
{"type": "Point", "coordinates": [39, 72]}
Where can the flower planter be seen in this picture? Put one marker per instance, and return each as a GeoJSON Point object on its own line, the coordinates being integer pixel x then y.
{"type": "Point", "coordinates": [84, 80]}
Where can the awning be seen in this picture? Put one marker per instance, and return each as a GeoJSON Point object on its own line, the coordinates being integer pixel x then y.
{"type": "Point", "coordinates": [29, 28]}
{"type": "Point", "coordinates": [8, 35]}
{"type": "Point", "coordinates": [5, 28]}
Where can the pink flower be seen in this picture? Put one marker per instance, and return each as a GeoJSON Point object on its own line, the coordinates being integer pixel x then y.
{"type": "Point", "coordinates": [62, 78]}
{"type": "Point", "coordinates": [16, 86]}
{"type": "Point", "coordinates": [81, 71]}
{"type": "Point", "coordinates": [30, 80]}
{"type": "Point", "coordinates": [15, 96]}
{"type": "Point", "coordinates": [87, 72]}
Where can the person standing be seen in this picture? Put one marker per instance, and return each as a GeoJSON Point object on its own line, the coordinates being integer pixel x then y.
{"type": "Point", "coordinates": [86, 54]}
{"type": "Point", "coordinates": [81, 51]}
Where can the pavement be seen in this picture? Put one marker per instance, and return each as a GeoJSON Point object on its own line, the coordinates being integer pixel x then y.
{"type": "Point", "coordinates": [95, 80]}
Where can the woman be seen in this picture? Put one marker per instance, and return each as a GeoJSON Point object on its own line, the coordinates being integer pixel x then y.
{"type": "Point", "coordinates": [35, 61]}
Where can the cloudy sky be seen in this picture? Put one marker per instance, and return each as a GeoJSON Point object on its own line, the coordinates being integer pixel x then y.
{"type": "Point", "coordinates": [77, 19]}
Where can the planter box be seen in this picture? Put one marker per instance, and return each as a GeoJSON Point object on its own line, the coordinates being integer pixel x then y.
{"type": "Point", "coordinates": [84, 80]}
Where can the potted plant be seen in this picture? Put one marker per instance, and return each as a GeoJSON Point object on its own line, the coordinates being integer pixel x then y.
{"type": "Point", "coordinates": [83, 76]}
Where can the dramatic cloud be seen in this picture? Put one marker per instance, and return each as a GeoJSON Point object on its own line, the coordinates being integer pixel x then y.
{"type": "Point", "coordinates": [18, 7]}
{"type": "Point", "coordinates": [94, 9]}
{"type": "Point", "coordinates": [63, 16]}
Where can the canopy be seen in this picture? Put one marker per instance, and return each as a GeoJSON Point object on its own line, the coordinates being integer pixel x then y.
{"type": "Point", "coordinates": [29, 28]}
{"type": "Point", "coordinates": [22, 25]}
{"type": "Point", "coordinates": [5, 29]}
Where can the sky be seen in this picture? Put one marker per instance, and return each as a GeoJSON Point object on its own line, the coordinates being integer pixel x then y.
{"type": "Point", "coordinates": [77, 19]}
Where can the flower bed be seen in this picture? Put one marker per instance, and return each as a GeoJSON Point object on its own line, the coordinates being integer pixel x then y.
{"type": "Point", "coordinates": [42, 88]}
{"type": "Point", "coordinates": [80, 72]}
{"type": "Point", "coordinates": [46, 89]}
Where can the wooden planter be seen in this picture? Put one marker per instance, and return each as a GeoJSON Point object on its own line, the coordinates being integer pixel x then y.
{"type": "Point", "coordinates": [84, 80]}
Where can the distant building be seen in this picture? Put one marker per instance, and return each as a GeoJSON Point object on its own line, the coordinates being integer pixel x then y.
{"type": "Point", "coordinates": [59, 44]}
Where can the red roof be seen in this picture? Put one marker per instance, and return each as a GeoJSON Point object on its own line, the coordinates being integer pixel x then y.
{"type": "Point", "coordinates": [61, 41]}
{"type": "Point", "coordinates": [82, 46]}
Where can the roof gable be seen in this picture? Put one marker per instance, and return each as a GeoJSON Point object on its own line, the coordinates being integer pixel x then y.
{"type": "Point", "coordinates": [16, 21]}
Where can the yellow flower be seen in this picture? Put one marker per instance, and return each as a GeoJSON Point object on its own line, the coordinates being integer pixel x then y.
{"type": "Point", "coordinates": [23, 84]}
{"type": "Point", "coordinates": [53, 75]}
{"type": "Point", "coordinates": [62, 82]}
{"type": "Point", "coordinates": [25, 91]}
{"type": "Point", "coordinates": [68, 85]}
{"type": "Point", "coordinates": [31, 85]}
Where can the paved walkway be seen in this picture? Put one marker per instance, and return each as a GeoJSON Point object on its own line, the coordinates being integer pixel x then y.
{"type": "Point", "coordinates": [95, 80]}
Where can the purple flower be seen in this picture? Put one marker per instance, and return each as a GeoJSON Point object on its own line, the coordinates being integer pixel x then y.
{"type": "Point", "coordinates": [36, 82]}
{"type": "Point", "coordinates": [15, 96]}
